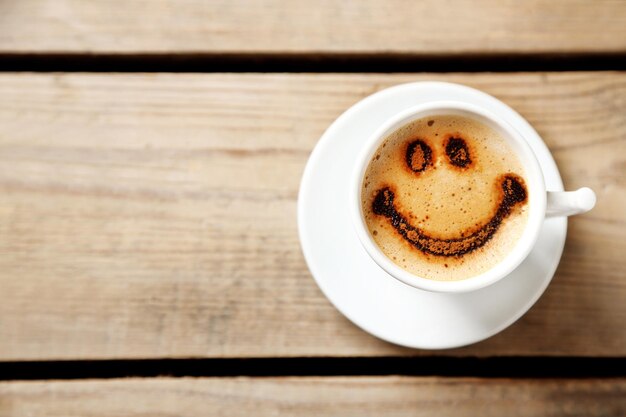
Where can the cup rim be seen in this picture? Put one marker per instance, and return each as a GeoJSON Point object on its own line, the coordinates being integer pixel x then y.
{"type": "Point", "coordinates": [534, 182]}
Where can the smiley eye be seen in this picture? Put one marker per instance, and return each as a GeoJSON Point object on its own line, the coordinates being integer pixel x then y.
{"type": "Point", "coordinates": [418, 156]}
{"type": "Point", "coordinates": [458, 152]}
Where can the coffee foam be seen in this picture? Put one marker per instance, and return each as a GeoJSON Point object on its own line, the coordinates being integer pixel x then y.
{"type": "Point", "coordinates": [444, 197]}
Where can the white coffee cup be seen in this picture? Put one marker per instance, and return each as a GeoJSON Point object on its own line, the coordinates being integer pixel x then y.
{"type": "Point", "coordinates": [542, 203]}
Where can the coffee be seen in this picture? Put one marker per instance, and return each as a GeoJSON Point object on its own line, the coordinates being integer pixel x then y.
{"type": "Point", "coordinates": [444, 197]}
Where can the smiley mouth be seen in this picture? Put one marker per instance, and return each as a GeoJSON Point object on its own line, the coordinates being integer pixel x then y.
{"type": "Point", "coordinates": [513, 193]}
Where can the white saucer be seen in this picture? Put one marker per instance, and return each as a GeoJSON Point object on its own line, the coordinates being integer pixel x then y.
{"type": "Point", "coordinates": [359, 288]}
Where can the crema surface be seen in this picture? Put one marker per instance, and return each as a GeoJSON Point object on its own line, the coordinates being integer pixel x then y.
{"type": "Point", "coordinates": [444, 197]}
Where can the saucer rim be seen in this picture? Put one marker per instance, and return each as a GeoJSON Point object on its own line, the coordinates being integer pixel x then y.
{"type": "Point", "coordinates": [325, 140]}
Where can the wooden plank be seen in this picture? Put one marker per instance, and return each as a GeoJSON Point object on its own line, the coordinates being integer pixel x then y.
{"type": "Point", "coordinates": [315, 396]}
{"type": "Point", "coordinates": [155, 215]}
{"type": "Point", "coordinates": [327, 26]}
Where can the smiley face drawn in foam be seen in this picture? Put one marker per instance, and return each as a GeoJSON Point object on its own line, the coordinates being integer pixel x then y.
{"type": "Point", "coordinates": [419, 158]}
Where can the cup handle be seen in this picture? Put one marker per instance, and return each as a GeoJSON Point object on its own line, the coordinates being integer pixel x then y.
{"type": "Point", "coordinates": [568, 203]}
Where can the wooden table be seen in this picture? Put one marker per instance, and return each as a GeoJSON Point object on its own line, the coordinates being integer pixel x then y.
{"type": "Point", "coordinates": [148, 219]}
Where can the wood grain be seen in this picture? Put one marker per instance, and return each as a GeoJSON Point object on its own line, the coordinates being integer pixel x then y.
{"type": "Point", "coordinates": [426, 27]}
{"type": "Point", "coordinates": [335, 396]}
{"type": "Point", "coordinates": [155, 215]}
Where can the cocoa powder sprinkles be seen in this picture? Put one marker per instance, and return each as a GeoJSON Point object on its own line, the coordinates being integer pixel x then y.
{"type": "Point", "coordinates": [513, 193]}
{"type": "Point", "coordinates": [419, 156]}
{"type": "Point", "coordinates": [458, 152]}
